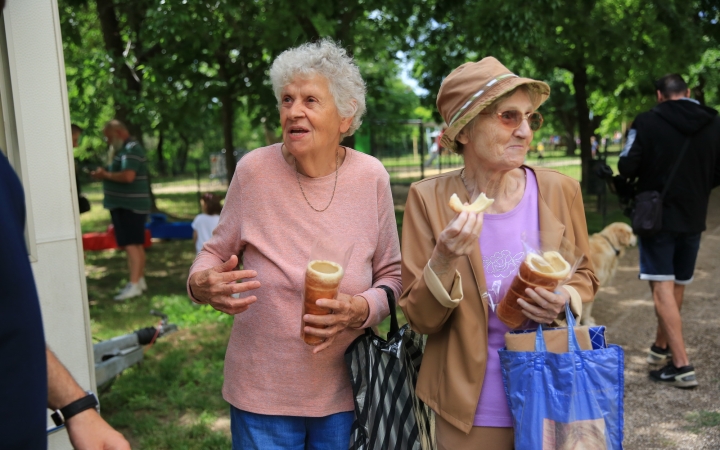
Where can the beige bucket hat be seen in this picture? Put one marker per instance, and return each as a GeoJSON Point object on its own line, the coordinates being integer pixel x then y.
{"type": "Point", "coordinates": [472, 87]}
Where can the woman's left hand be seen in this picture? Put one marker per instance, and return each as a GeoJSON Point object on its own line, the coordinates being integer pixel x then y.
{"type": "Point", "coordinates": [548, 305]}
{"type": "Point", "coordinates": [346, 311]}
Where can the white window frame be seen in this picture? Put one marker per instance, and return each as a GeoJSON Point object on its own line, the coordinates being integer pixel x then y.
{"type": "Point", "coordinates": [11, 137]}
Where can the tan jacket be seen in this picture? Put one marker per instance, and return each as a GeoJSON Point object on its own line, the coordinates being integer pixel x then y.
{"type": "Point", "coordinates": [453, 368]}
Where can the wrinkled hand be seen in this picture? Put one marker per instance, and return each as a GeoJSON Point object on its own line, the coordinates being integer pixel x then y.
{"type": "Point", "coordinates": [548, 304]}
{"type": "Point", "coordinates": [346, 311]}
{"type": "Point", "coordinates": [99, 174]}
{"type": "Point", "coordinates": [88, 431]}
{"type": "Point", "coordinates": [215, 287]}
{"type": "Point", "coordinates": [459, 238]}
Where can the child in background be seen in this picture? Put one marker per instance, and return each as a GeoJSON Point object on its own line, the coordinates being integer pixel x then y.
{"type": "Point", "coordinates": [204, 224]}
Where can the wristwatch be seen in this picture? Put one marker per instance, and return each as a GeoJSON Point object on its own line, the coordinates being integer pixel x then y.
{"type": "Point", "coordinates": [60, 416]}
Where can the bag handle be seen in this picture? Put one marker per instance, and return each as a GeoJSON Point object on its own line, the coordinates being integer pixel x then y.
{"type": "Point", "coordinates": [573, 345]}
{"type": "Point", "coordinates": [394, 328]}
{"type": "Point", "coordinates": [540, 340]}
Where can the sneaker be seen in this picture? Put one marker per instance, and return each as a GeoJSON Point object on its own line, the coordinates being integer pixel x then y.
{"type": "Point", "coordinates": [129, 291]}
{"type": "Point", "coordinates": [142, 284]}
{"type": "Point", "coordinates": [658, 355]}
{"type": "Point", "coordinates": [682, 377]}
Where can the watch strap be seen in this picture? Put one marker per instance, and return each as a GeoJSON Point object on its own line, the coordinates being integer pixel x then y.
{"type": "Point", "coordinates": [61, 415]}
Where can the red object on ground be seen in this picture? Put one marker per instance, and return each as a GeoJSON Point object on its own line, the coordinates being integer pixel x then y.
{"type": "Point", "coordinates": [106, 240]}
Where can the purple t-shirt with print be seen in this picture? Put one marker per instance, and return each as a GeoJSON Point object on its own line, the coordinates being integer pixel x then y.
{"type": "Point", "coordinates": [503, 251]}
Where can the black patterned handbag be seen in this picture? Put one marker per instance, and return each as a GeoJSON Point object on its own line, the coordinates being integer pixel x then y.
{"type": "Point", "coordinates": [383, 373]}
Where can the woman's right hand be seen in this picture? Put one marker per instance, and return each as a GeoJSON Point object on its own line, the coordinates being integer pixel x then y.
{"type": "Point", "coordinates": [458, 239]}
{"type": "Point", "coordinates": [216, 285]}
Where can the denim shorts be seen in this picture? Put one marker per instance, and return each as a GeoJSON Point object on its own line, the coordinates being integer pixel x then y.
{"type": "Point", "coordinates": [669, 256]}
{"type": "Point", "coordinates": [252, 431]}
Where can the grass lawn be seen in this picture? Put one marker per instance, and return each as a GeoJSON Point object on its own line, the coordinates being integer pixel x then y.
{"type": "Point", "coordinates": [172, 400]}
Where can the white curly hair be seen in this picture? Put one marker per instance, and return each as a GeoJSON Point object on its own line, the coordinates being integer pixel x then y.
{"type": "Point", "coordinates": [327, 59]}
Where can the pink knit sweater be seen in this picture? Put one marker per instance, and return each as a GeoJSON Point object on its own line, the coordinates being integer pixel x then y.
{"type": "Point", "coordinates": [265, 220]}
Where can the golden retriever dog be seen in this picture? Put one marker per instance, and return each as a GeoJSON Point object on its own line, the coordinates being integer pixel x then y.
{"type": "Point", "coordinates": [606, 249]}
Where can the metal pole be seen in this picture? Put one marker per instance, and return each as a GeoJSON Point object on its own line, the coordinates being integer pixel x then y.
{"type": "Point", "coordinates": [439, 160]}
{"type": "Point", "coordinates": [197, 176]}
{"type": "Point", "coordinates": [607, 140]}
{"type": "Point", "coordinates": [422, 151]}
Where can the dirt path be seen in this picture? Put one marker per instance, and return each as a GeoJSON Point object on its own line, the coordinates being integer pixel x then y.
{"type": "Point", "coordinates": [664, 417]}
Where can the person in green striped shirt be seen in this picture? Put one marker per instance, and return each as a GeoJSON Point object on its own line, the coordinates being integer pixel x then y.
{"type": "Point", "coordinates": [127, 196]}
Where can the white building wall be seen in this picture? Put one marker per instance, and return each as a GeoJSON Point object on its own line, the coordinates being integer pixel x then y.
{"type": "Point", "coordinates": [39, 92]}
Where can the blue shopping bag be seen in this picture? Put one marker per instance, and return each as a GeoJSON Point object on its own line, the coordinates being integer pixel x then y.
{"type": "Point", "coordinates": [565, 400]}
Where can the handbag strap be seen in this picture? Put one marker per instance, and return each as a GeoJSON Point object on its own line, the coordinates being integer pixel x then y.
{"type": "Point", "coordinates": [394, 328]}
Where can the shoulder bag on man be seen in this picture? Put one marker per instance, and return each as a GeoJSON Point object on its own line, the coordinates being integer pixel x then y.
{"type": "Point", "coordinates": [647, 211]}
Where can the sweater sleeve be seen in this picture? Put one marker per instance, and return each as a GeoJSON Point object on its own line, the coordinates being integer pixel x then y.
{"type": "Point", "coordinates": [227, 237]}
{"type": "Point", "coordinates": [386, 260]}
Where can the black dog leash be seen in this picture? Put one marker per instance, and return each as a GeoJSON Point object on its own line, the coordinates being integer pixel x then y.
{"type": "Point", "coordinates": [617, 252]}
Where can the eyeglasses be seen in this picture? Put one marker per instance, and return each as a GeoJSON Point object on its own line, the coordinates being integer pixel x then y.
{"type": "Point", "coordinates": [513, 118]}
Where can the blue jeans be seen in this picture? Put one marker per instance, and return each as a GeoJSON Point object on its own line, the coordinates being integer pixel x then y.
{"type": "Point", "coordinates": [252, 431]}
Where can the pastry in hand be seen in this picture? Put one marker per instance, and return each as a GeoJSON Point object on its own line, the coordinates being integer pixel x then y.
{"type": "Point", "coordinates": [479, 205]}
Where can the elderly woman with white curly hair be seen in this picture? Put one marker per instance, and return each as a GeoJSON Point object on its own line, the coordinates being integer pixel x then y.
{"type": "Point", "coordinates": [285, 394]}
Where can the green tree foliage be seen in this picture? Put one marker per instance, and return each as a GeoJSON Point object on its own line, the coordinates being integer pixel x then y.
{"type": "Point", "coordinates": [191, 76]}
{"type": "Point", "coordinates": [614, 48]}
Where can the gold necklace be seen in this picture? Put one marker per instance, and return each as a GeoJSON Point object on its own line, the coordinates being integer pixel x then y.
{"type": "Point", "coordinates": [297, 176]}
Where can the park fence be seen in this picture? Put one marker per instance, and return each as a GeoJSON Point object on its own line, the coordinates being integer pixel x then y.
{"type": "Point", "coordinates": [407, 149]}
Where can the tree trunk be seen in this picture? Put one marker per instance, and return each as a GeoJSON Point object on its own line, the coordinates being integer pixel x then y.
{"type": "Point", "coordinates": [580, 80]}
{"type": "Point", "coordinates": [571, 145]}
{"type": "Point", "coordinates": [182, 154]}
{"type": "Point", "coordinates": [162, 169]}
{"type": "Point", "coordinates": [308, 27]}
{"type": "Point", "coordinates": [569, 122]}
{"type": "Point", "coordinates": [228, 119]}
{"type": "Point", "coordinates": [110, 27]}
{"type": "Point", "coordinates": [698, 91]}
{"type": "Point", "coordinates": [269, 133]}
{"type": "Point", "coordinates": [114, 45]}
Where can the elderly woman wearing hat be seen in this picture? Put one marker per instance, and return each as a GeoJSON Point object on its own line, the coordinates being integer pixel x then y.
{"type": "Point", "coordinates": [284, 393]}
{"type": "Point", "coordinates": [452, 264]}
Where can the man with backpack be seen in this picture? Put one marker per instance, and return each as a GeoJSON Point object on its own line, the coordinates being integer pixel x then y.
{"type": "Point", "coordinates": [675, 149]}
